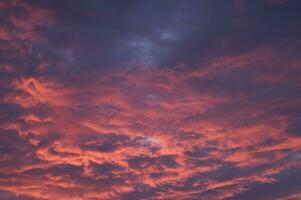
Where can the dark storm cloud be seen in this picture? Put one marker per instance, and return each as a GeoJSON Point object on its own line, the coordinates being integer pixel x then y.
{"type": "Point", "coordinates": [105, 142]}
{"type": "Point", "coordinates": [9, 112]}
{"type": "Point", "coordinates": [5, 195]}
{"type": "Point", "coordinates": [104, 168]}
{"type": "Point", "coordinates": [288, 182]}
{"type": "Point", "coordinates": [259, 23]}
{"type": "Point", "coordinates": [16, 151]}
{"type": "Point", "coordinates": [141, 162]}
{"type": "Point", "coordinates": [294, 126]}
{"type": "Point", "coordinates": [105, 34]}
{"type": "Point", "coordinates": [65, 169]}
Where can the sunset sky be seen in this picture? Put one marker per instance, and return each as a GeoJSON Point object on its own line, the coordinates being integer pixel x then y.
{"type": "Point", "coordinates": [150, 99]}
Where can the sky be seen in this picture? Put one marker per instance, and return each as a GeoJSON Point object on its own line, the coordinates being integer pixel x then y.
{"type": "Point", "coordinates": [150, 100]}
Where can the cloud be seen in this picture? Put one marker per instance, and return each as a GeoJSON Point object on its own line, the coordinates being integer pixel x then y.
{"type": "Point", "coordinates": [157, 100]}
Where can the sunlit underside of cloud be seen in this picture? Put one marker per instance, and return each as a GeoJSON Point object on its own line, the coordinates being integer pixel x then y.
{"type": "Point", "coordinates": [173, 109]}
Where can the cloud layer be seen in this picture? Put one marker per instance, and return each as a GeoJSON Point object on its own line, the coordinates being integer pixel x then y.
{"type": "Point", "coordinates": [150, 100]}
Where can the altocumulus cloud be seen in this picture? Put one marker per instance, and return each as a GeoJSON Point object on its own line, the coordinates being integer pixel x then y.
{"type": "Point", "coordinates": [150, 100]}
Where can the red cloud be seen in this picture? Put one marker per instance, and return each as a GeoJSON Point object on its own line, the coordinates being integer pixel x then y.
{"type": "Point", "coordinates": [212, 132]}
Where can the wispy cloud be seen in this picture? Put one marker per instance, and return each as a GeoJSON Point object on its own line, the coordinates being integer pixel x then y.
{"type": "Point", "coordinates": [213, 117]}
